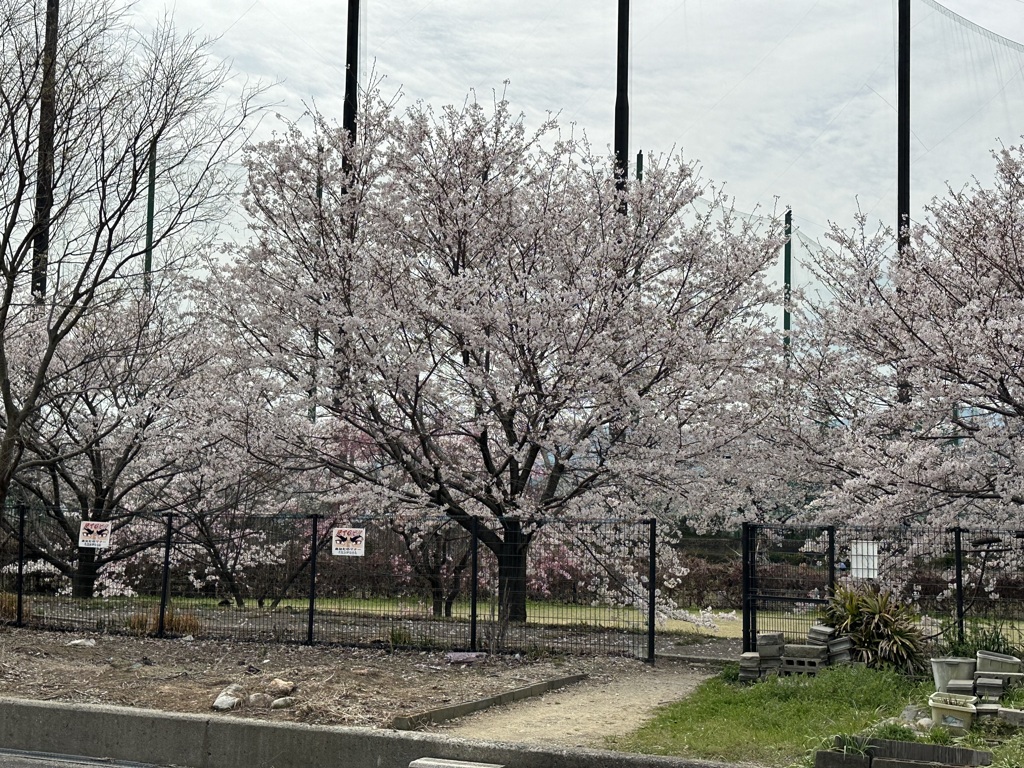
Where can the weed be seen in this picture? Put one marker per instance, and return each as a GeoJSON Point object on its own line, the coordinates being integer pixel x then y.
{"type": "Point", "coordinates": [400, 637]}
{"type": "Point", "coordinates": [893, 732]}
{"type": "Point", "coordinates": [1014, 698]}
{"type": "Point", "coordinates": [9, 607]}
{"type": "Point", "coordinates": [730, 673]}
{"type": "Point", "coordinates": [850, 744]}
{"type": "Point", "coordinates": [175, 623]}
{"type": "Point", "coordinates": [940, 735]}
{"type": "Point", "coordinates": [989, 636]}
{"type": "Point", "coordinates": [1009, 754]}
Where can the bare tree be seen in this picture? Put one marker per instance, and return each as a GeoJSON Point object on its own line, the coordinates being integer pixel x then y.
{"type": "Point", "coordinates": [118, 96]}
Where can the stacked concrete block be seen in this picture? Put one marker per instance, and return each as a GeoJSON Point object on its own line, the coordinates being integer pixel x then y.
{"type": "Point", "coordinates": [803, 659]}
{"type": "Point", "coordinates": [820, 634]}
{"type": "Point", "coordinates": [769, 648]}
{"type": "Point", "coordinates": [1008, 679]}
{"type": "Point", "coordinates": [840, 650]}
{"type": "Point", "coordinates": [987, 709]}
{"type": "Point", "coordinates": [988, 689]}
{"type": "Point", "coordinates": [750, 666]}
{"type": "Point", "coordinates": [774, 656]}
{"type": "Point", "coordinates": [960, 687]}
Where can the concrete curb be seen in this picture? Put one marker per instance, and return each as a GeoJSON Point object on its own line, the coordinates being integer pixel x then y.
{"type": "Point", "coordinates": [443, 714]}
{"type": "Point", "coordinates": [708, 661]}
{"type": "Point", "coordinates": [224, 741]}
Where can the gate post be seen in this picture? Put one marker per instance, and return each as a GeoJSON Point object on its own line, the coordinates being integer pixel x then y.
{"type": "Point", "coordinates": [831, 560]}
{"type": "Point", "coordinates": [652, 591]}
{"type": "Point", "coordinates": [20, 616]}
{"type": "Point", "coordinates": [746, 598]}
{"type": "Point", "coordinates": [473, 587]}
{"type": "Point", "coordinates": [312, 577]}
{"type": "Point", "coordinates": [958, 554]}
{"type": "Point", "coordinates": [165, 586]}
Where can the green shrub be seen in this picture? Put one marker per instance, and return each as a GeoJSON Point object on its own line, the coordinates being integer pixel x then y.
{"type": "Point", "coordinates": [892, 732]}
{"type": "Point", "coordinates": [731, 673]}
{"type": "Point", "coordinates": [981, 637]}
{"type": "Point", "coordinates": [885, 632]}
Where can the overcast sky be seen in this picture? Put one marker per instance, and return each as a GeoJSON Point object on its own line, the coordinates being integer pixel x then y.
{"type": "Point", "coordinates": [791, 100]}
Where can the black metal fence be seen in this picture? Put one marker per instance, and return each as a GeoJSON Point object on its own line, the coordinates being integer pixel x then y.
{"type": "Point", "coordinates": [957, 579]}
{"type": "Point", "coordinates": [582, 586]}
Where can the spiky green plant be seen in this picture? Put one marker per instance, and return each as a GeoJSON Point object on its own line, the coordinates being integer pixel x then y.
{"type": "Point", "coordinates": [884, 630]}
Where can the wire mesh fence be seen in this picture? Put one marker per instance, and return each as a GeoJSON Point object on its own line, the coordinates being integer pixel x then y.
{"type": "Point", "coordinates": [958, 580]}
{"type": "Point", "coordinates": [578, 586]}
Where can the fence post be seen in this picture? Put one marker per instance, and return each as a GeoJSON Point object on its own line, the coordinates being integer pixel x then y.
{"type": "Point", "coordinates": [473, 587]}
{"type": "Point", "coordinates": [20, 615]}
{"type": "Point", "coordinates": [745, 598]}
{"type": "Point", "coordinates": [958, 554]}
{"type": "Point", "coordinates": [652, 591]}
{"type": "Point", "coordinates": [831, 560]}
{"type": "Point", "coordinates": [312, 577]}
{"type": "Point", "coordinates": [165, 586]}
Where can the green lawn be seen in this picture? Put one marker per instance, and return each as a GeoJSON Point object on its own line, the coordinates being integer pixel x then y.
{"type": "Point", "coordinates": [774, 722]}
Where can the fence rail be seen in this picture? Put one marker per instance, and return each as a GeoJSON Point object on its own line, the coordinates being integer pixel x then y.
{"type": "Point", "coordinates": [957, 579]}
{"type": "Point", "coordinates": [577, 586]}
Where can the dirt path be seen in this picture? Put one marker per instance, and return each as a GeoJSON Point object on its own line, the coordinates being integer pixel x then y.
{"type": "Point", "coordinates": [588, 713]}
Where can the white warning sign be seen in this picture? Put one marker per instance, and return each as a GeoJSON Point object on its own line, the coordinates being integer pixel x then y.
{"type": "Point", "coordinates": [93, 534]}
{"type": "Point", "coordinates": [348, 542]}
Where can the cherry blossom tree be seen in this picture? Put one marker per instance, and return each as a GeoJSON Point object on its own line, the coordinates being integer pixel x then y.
{"type": "Point", "coordinates": [481, 325]}
{"type": "Point", "coordinates": [943, 321]}
{"type": "Point", "coordinates": [102, 444]}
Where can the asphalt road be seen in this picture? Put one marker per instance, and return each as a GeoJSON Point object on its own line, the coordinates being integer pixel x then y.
{"type": "Point", "coordinates": [15, 759]}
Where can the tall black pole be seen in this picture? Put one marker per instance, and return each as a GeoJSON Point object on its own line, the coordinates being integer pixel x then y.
{"type": "Point", "coordinates": [903, 391]}
{"type": "Point", "coordinates": [351, 77]}
{"type": "Point", "coordinates": [787, 277]}
{"type": "Point", "coordinates": [903, 128]}
{"type": "Point", "coordinates": [622, 99]}
{"type": "Point", "coordinates": [44, 163]}
{"type": "Point", "coordinates": [147, 265]}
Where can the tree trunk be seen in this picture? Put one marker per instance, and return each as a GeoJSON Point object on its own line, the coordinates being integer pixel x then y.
{"type": "Point", "coordinates": [83, 583]}
{"type": "Point", "coordinates": [512, 575]}
{"type": "Point", "coordinates": [436, 594]}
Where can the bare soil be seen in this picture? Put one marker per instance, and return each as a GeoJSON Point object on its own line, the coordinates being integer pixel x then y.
{"type": "Point", "coordinates": [345, 686]}
{"type": "Point", "coordinates": [593, 713]}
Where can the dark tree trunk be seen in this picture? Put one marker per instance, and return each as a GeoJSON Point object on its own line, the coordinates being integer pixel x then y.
{"type": "Point", "coordinates": [512, 574]}
{"type": "Point", "coordinates": [83, 583]}
{"type": "Point", "coordinates": [436, 594]}
{"type": "Point", "coordinates": [456, 590]}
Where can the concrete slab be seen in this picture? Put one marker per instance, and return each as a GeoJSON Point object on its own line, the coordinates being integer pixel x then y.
{"type": "Point", "coordinates": [226, 741]}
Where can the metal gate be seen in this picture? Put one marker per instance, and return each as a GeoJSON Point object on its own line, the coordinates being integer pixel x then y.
{"type": "Point", "coordinates": [788, 573]}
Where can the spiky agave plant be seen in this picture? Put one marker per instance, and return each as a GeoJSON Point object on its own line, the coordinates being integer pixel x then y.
{"type": "Point", "coordinates": [883, 629]}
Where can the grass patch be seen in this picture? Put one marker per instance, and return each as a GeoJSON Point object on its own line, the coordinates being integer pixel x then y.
{"type": "Point", "coordinates": [773, 722]}
{"type": "Point", "coordinates": [1009, 754]}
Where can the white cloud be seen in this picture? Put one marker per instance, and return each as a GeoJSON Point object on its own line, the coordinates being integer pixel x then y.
{"type": "Point", "coordinates": [794, 100]}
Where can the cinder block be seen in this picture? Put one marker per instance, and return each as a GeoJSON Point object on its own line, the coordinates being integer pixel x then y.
{"type": "Point", "coordinates": [1012, 716]}
{"type": "Point", "coordinates": [770, 638]}
{"type": "Point", "coordinates": [798, 666]}
{"type": "Point", "coordinates": [769, 651]}
{"type": "Point", "coordinates": [805, 651]}
{"type": "Point", "coordinates": [843, 643]}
